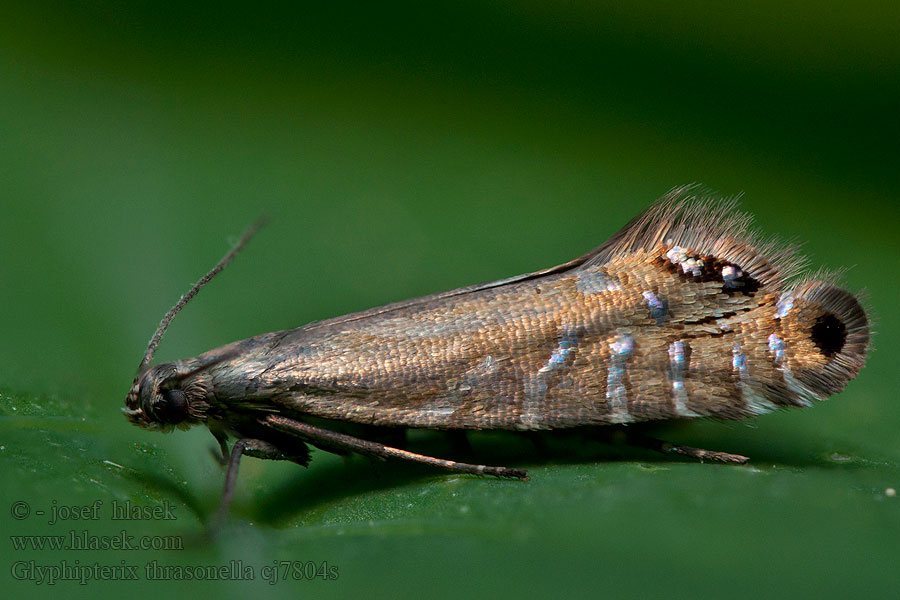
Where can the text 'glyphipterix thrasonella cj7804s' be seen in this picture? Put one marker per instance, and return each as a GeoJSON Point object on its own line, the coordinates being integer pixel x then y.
{"type": "Point", "coordinates": [684, 313]}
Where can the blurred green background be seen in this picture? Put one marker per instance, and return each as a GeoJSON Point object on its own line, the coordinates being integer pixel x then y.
{"type": "Point", "coordinates": [406, 148]}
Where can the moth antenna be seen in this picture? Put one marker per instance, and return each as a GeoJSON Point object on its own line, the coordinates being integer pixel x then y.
{"type": "Point", "coordinates": [154, 341]}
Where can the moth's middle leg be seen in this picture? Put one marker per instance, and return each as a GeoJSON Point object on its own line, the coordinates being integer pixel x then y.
{"type": "Point", "coordinates": [341, 441]}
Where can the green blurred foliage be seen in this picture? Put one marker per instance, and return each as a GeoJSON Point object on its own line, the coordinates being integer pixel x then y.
{"type": "Point", "coordinates": [402, 149]}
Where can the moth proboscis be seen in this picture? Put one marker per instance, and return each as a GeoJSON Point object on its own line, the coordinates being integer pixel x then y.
{"type": "Point", "coordinates": [684, 313]}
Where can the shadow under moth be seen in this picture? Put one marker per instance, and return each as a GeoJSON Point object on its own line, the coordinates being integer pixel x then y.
{"type": "Point", "coordinates": [683, 313]}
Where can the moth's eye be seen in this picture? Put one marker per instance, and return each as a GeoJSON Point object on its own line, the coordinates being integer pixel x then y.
{"type": "Point", "coordinates": [173, 407]}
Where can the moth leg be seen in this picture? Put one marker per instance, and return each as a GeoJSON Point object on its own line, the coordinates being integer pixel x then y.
{"type": "Point", "coordinates": [333, 439]}
{"type": "Point", "coordinates": [222, 440]}
{"type": "Point", "coordinates": [689, 451]}
{"type": "Point", "coordinates": [389, 436]}
{"type": "Point", "coordinates": [538, 441]}
{"type": "Point", "coordinates": [250, 447]}
{"type": "Point", "coordinates": [459, 442]}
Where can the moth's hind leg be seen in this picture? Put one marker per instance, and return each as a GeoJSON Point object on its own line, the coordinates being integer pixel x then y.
{"type": "Point", "coordinates": [341, 441]}
{"type": "Point", "coordinates": [650, 443]}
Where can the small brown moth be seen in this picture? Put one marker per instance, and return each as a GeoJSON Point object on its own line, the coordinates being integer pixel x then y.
{"type": "Point", "coordinates": [684, 313]}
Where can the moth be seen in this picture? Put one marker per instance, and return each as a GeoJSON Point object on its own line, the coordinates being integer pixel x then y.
{"type": "Point", "coordinates": [684, 313]}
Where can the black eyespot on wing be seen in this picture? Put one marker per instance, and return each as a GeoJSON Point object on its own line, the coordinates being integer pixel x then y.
{"type": "Point", "coordinates": [173, 408]}
{"type": "Point", "coordinates": [829, 334]}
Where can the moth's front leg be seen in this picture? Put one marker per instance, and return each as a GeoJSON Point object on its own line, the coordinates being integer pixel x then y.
{"type": "Point", "coordinates": [222, 440]}
{"type": "Point", "coordinates": [257, 449]}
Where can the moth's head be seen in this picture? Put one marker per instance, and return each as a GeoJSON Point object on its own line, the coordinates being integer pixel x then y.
{"type": "Point", "coordinates": [823, 336]}
{"type": "Point", "coordinates": [164, 397]}
{"type": "Point", "coordinates": [174, 394]}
